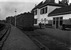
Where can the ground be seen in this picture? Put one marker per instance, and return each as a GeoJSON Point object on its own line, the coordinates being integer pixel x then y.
{"type": "Point", "coordinates": [54, 39]}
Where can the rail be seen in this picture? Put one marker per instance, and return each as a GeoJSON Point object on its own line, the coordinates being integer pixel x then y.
{"type": "Point", "coordinates": [5, 35]}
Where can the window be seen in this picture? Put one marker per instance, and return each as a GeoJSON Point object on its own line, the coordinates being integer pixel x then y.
{"type": "Point", "coordinates": [35, 21]}
{"type": "Point", "coordinates": [53, 20]}
{"type": "Point", "coordinates": [43, 10]}
{"type": "Point", "coordinates": [45, 19]}
{"type": "Point", "coordinates": [42, 20]}
{"type": "Point", "coordinates": [35, 12]}
{"type": "Point", "coordinates": [61, 20]}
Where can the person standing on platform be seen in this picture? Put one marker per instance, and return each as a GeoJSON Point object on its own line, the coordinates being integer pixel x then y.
{"type": "Point", "coordinates": [40, 24]}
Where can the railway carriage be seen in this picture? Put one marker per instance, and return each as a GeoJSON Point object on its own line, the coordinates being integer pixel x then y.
{"type": "Point", "coordinates": [25, 21]}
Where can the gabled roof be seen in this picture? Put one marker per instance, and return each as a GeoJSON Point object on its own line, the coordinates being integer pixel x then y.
{"type": "Point", "coordinates": [37, 5]}
{"type": "Point", "coordinates": [52, 4]}
{"type": "Point", "coordinates": [41, 4]}
{"type": "Point", "coordinates": [61, 11]}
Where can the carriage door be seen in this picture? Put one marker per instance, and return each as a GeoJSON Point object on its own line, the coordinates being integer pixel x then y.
{"type": "Point", "coordinates": [57, 22]}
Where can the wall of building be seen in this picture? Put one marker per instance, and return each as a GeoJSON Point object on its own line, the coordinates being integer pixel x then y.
{"type": "Point", "coordinates": [42, 17]}
{"type": "Point", "coordinates": [37, 16]}
{"type": "Point", "coordinates": [65, 16]}
{"type": "Point", "coordinates": [25, 20]}
{"type": "Point", "coordinates": [52, 8]}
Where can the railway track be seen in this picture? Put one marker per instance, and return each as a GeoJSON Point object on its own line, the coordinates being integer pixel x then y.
{"type": "Point", "coordinates": [45, 42]}
{"type": "Point", "coordinates": [4, 35]}
{"type": "Point", "coordinates": [2, 26]}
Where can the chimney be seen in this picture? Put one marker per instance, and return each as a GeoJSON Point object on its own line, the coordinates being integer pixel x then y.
{"type": "Point", "coordinates": [65, 2]}
{"type": "Point", "coordinates": [44, 1]}
{"type": "Point", "coordinates": [50, 1]}
{"type": "Point", "coordinates": [56, 1]}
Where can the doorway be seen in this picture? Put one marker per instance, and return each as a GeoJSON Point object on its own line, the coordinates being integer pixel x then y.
{"type": "Point", "coordinates": [57, 22]}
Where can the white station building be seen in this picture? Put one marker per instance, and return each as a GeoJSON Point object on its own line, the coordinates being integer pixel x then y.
{"type": "Point", "coordinates": [61, 17]}
{"type": "Point", "coordinates": [42, 10]}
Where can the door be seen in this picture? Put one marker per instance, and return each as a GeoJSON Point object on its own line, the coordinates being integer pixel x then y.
{"type": "Point", "coordinates": [57, 22]}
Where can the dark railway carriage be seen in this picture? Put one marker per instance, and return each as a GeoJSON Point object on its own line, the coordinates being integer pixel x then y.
{"type": "Point", "coordinates": [25, 21]}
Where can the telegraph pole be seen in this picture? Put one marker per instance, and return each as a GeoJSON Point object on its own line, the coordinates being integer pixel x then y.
{"type": "Point", "coordinates": [15, 16]}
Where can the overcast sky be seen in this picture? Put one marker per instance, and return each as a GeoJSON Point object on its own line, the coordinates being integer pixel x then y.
{"type": "Point", "coordinates": [7, 7]}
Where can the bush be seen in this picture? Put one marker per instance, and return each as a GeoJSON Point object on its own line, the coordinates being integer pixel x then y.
{"type": "Point", "coordinates": [64, 26]}
{"type": "Point", "coordinates": [28, 28]}
{"type": "Point", "coordinates": [49, 25]}
{"type": "Point", "coordinates": [2, 26]}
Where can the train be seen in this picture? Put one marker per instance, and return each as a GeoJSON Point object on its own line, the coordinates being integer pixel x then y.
{"type": "Point", "coordinates": [23, 21]}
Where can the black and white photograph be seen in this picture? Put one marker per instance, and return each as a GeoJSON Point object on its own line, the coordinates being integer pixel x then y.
{"type": "Point", "coordinates": [35, 24]}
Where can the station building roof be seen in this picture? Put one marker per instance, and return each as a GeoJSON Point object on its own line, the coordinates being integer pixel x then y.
{"type": "Point", "coordinates": [61, 11]}
{"type": "Point", "coordinates": [41, 4]}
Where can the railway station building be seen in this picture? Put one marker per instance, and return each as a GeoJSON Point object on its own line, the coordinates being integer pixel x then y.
{"type": "Point", "coordinates": [42, 10]}
{"type": "Point", "coordinates": [61, 17]}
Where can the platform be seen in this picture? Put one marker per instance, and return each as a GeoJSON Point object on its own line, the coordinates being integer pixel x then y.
{"type": "Point", "coordinates": [17, 40]}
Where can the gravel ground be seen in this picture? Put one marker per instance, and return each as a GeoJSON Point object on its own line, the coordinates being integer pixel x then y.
{"type": "Point", "coordinates": [49, 42]}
